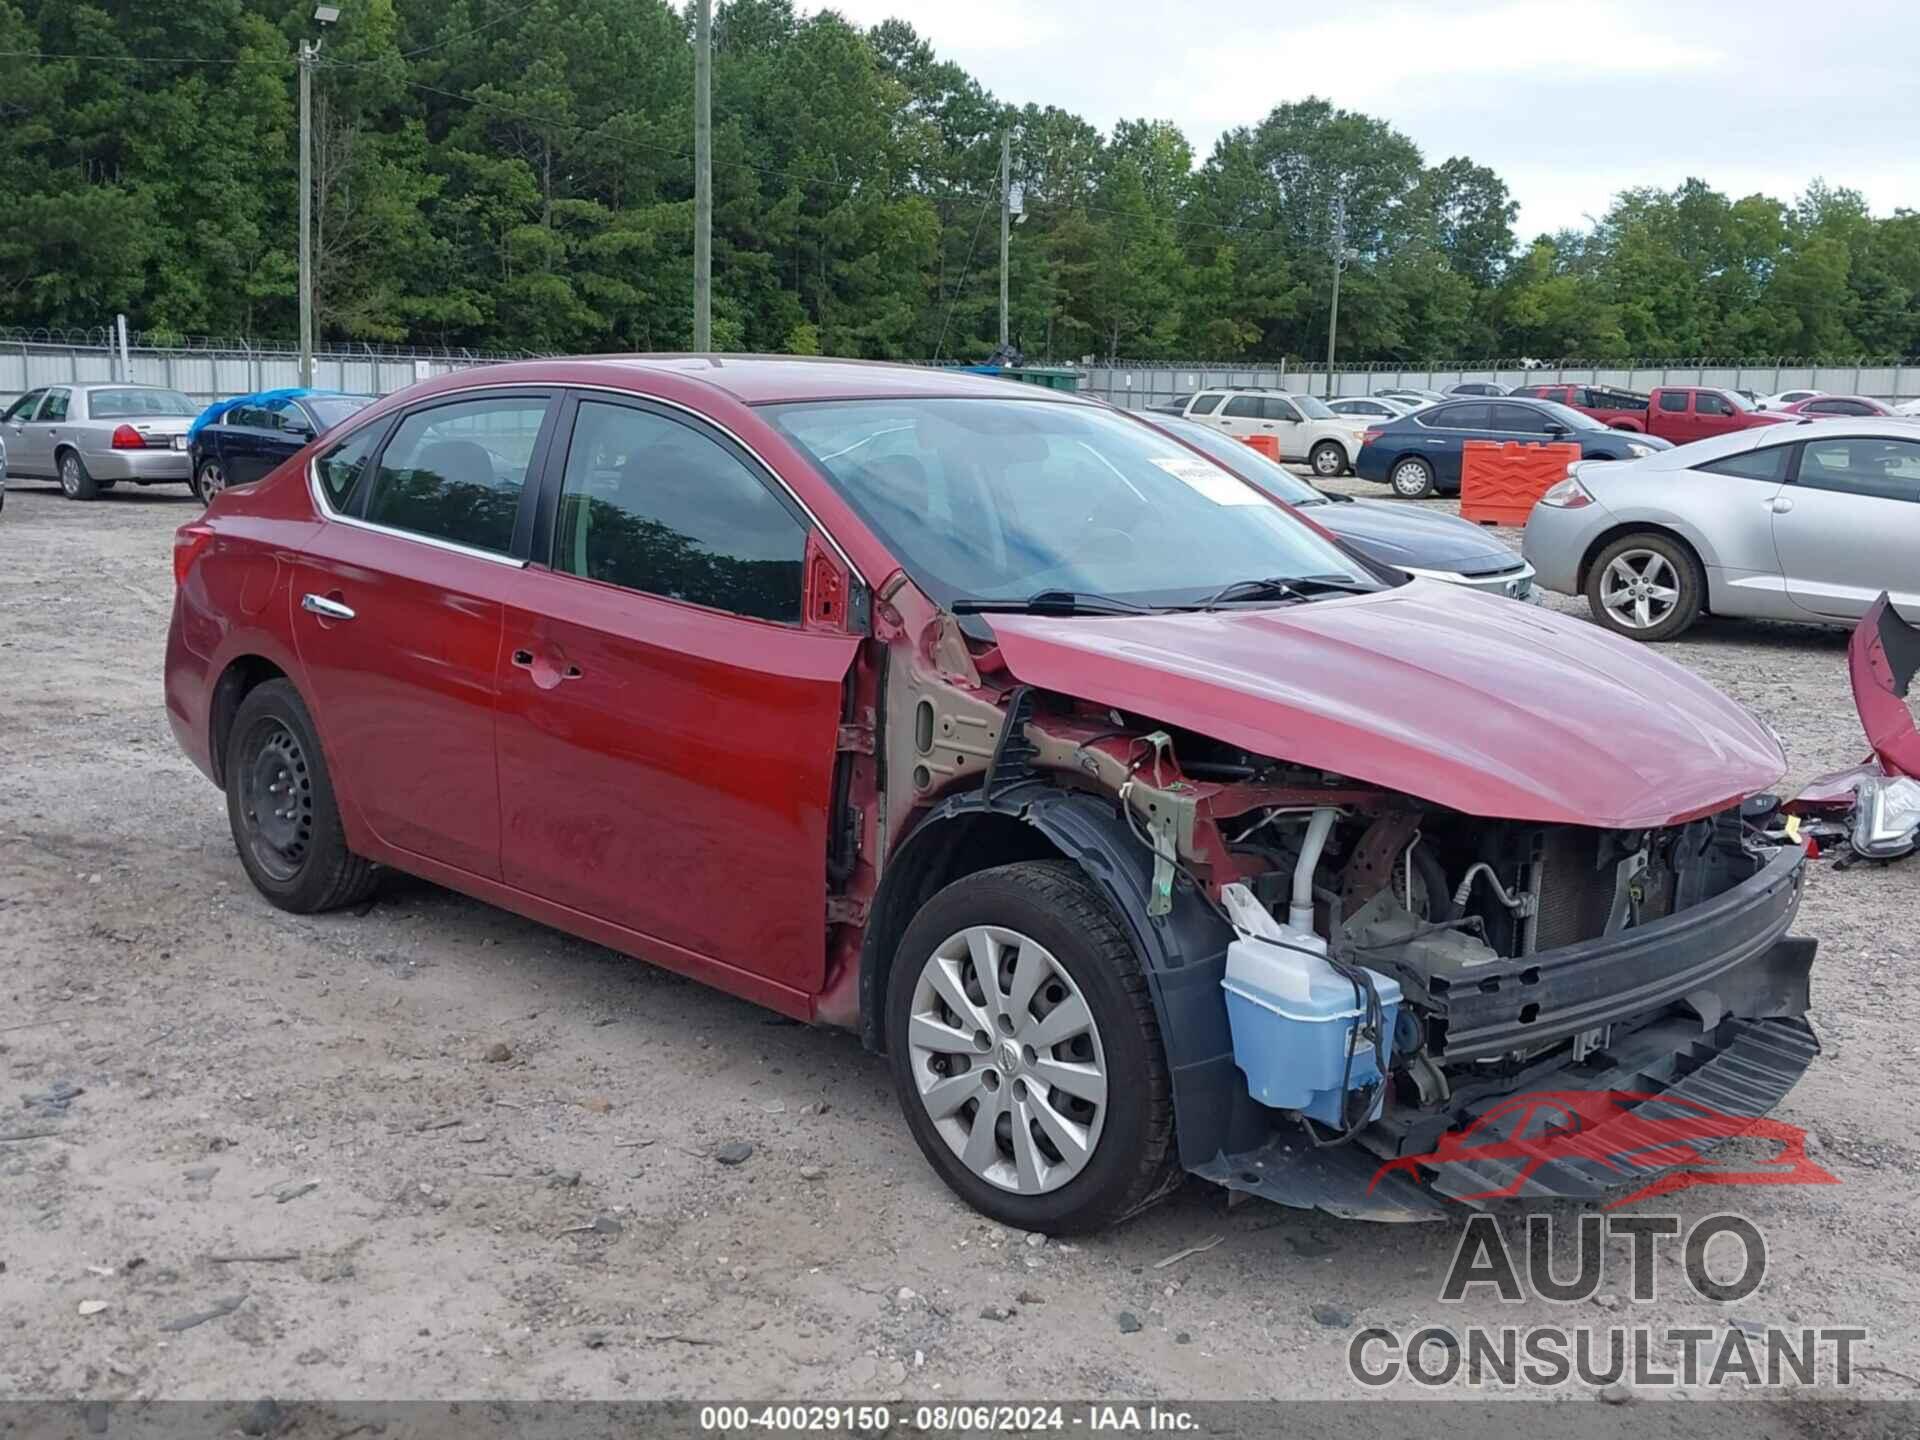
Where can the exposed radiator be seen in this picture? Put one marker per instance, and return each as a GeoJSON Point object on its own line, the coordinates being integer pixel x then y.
{"type": "Point", "coordinates": [1575, 898]}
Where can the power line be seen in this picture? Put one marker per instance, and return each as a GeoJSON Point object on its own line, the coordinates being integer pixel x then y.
{"type": "Point", "coordinates": [469, 34]}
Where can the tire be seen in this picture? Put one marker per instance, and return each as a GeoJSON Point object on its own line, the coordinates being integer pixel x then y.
{"type": "Point", "coordinates": [1411, 478]}
{"type": "Point", "coordinates": [209, 479]}
{"type": "Point", "coordinates": [1051, 933]}
{"type": "Point", "coordinates": [1328, 459]}
{"type": "Point", "coordinates": [297, 858]}
{"type": "Point", "coordinates": [75, 482]}
{"type": "Point", "coordinates": [1646, 586]}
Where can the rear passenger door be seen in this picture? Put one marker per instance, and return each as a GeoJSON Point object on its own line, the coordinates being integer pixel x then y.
{"type": "Point", "coordinates": [41, 432]}
{"type": "Point", "coordinates": [670, 702]}
{"type": "Point", "coordinates": [1848, 526]}
{"type": "Point", "coordinates": [399, 604]}
{"type": "Point", "coordinates": [1243, 415]}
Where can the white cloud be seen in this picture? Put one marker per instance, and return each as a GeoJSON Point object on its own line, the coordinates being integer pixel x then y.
{"type": "Point", "coordinates": [1568, 100]}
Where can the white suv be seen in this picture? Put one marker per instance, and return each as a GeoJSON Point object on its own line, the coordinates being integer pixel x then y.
{"type": "Point", "coordinates": [1305, 428]}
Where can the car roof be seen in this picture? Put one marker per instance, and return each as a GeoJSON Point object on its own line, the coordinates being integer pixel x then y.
{"type": "Point", "coordinates": [1736, 442]}
{"type": "Point", "coordinates": [765, 379]}
{"type": "Point", "coordinates": [108, 385]}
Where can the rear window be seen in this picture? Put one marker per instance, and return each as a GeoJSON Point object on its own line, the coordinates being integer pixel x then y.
{"type": "Point", "coordinates": [125, 404]}
{"type": "Point", "coordinates": [1767, 463]}
{"type": "Point", "coordinates": [1204, 405]}
{"type": "Point", "coordinates": [1673, 400]}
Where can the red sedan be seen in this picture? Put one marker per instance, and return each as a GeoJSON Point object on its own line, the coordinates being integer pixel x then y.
{"type": "Point", "coordinates": [1828, 406]}
{"type": "Point", "coordinates": [951, 710]}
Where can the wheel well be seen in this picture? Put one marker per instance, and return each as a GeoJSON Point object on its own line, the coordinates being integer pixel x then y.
{"type": "Point", "coordinates": [928, 861]}
{"type": "Point", "coordinates": [243, 675]}
{"type": "Point", "coordinates": [1637, 527]}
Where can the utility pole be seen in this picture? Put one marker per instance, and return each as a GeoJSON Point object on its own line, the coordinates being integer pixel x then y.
{"type": "Point", "coordinates": [1340, 257]}
{"type": "Point", "coordinates": [703, 177]}
{"type": "Point", "coordinates": [323, 16]}
{"type": "Point", "coordinates": [309, 50]}
{"type": "Point", "coordinates": [1006, 212]}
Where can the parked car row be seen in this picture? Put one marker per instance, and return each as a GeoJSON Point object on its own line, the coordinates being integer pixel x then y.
{"type": "Point", "coordinates": [1304, 429]}
{"type": "Point", "coordinates": [1419, 454]}
{"type": "Point", "coordinates": [93, 436]}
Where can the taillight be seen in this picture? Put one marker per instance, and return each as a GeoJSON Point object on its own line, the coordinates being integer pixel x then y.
{"type": "Point", "coordinates": [188, 541]}
{"type": "Point", "coordinates": [1371, 435]}
{"type": "Point", "coordinates": [125, 437]}
{"type": "Point", "coordinates": [1569, 494]}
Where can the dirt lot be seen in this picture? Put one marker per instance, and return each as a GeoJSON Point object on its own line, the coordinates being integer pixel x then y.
{"type": "Point", "coordinates": [555, 1223]}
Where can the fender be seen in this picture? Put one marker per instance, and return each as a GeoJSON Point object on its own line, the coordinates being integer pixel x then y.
{"type": "Point", "coordinates": [1185, 953]}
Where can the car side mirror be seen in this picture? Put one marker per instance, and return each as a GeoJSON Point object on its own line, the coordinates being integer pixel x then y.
{"type": "Point", "coordinates": [1557, 430]}
{"type": "Point", "coordinates": [300, 431]}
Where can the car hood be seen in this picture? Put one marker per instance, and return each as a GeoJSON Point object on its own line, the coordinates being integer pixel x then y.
{"type": "Point", "coordinates": [1413, 535]}
{"type": "Point", "coordinates": [1466, 700]}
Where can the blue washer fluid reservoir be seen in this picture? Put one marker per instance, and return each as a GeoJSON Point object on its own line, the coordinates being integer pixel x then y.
{"type": "Point", "coordinates": [1294, 1017]}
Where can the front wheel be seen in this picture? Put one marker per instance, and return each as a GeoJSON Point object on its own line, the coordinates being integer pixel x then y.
{"type": "Point", "coordinates": [1329, 458]}
{"type": "Point", "coordinates": [281, 807]}
{"type": "Point", "coordinates": [1411, 479]}
{"type": "Point", "coordinates": [1646, 586]}
{"type": "Point", "coordinates": [1026, 1052]}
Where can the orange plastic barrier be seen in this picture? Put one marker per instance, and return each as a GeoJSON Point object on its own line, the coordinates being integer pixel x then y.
{"type": "Point", "coordinates": [1500, 481]}
{"type": "Point", "coordinates": [1267, 445]}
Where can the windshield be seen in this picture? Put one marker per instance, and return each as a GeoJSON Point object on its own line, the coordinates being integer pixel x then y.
{"type": "Point", "coordinates": [330, 410]}
{"type": "Point", "coordinates": [127, 403]}
{"type": "Point", "coordinates": [994, 499]}
{"type": "Point", "coordinates": [1312, 408]}
{"type": "Point", "coordinates": [1246, 462]}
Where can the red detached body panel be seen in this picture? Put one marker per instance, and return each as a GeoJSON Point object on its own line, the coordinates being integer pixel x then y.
{"type": "Point", "coordinates": [1882, 658]}
{"type": "Point", "coordinates": [1466, 700]}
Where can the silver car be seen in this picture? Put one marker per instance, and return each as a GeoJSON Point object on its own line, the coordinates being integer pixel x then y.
{"type": "Point", "coordinates": [90, 437]}
{"type": "Point", "coordinates": [1802, 522]}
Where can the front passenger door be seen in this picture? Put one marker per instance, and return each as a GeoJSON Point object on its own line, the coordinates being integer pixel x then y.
{"type": "Point", "coordinates": [1283, 422]}
{"type": "Point", "coordinates": [668, 719]}
{"type": "Point", "coordinates": [1848, 526]}
{"type": "Point", "coordinates": [14, 424]}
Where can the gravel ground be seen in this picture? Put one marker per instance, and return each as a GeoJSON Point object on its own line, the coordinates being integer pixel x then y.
{"type": "Point", "coordinates": [479, 1158]}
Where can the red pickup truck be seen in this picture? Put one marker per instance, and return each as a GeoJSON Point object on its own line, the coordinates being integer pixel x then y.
{"type": "Point", "coordinates": [1673, 412]}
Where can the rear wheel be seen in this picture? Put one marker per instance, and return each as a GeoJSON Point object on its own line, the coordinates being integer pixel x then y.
{"type": "Point", "coordinates": [1026, 1053]}
{"type": "Point", "coordinates": [208, 481]}
{"type": "Point", "coordinates": [1411, 478]}
{"type": "Point", "coordinates": [75, 482]}
{"type": "Point", "coordinates": [1329, 458]}
{"type": "Point", "coordinates": [281, 807]}
{"type": "Point", "coordinates": [1646, 586]}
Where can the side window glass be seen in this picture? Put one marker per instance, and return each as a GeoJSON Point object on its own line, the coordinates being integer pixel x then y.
{"type": "Point", "coordinates": [1884, 469]}
{"type": "Point", "coordinates": [1281, 410]}
{"type": "Point", "coordinates": [657, 506]}
{"type": "Point", "coordinates": [1674, 400]}
{"type": "Point", "coordinates": [54, 407]}
{"type": "Point", "coordinates": [1767, 463]}
{"type": "Point", "coordinates": [455, 472]}
{"type": "Point", "coordinates": [1464, 417]}
{"type": "Point", "coordinates": [1519, 420]}
{"type": "Point", "coordinates": [1243, 407]}
{"type": "Point", "coordinates": [342, 466]}
{"type": "Point", "coordinates": [21, 409]}
{"type": "Point", "coordinates": [1204, 404]}
{"type": "Point", "coordinates": [1707, 403]}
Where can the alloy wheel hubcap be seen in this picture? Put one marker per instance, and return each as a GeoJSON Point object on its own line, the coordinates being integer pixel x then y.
{"type": "Point", "coordinates": [1639, 589]}
{"type": "Point", "coordinates": [1007, 1059]}
{"type": "Point", "coordinates": [1410, 479]}
{"type": "Point", "coordinates": [70, 475]}
{"type": "Point", "coordinates": [1327, 462]}
{"type": "Point", "coordinates": [212, 481]}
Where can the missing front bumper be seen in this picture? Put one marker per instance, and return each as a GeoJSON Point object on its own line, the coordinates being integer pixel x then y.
{"type": "Point", "coordinates": [1736, 1064]}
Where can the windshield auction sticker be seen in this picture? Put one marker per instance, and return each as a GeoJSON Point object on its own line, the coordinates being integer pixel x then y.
{"type": "Point", "coordinates": [1210, 480]}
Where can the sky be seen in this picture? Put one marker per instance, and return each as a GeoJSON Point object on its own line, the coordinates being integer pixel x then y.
{"type": "Point", "coordinates": [1570, 101]}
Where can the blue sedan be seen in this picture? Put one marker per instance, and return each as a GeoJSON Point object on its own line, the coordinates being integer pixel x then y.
{"type": "Point", "coordinates": [237, 441]}
{"type": "Point", "coordinates": [1419, 454]}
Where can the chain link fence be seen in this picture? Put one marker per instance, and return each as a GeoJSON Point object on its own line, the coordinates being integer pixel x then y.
{"type": "Point", "coordinates": [210, 369]}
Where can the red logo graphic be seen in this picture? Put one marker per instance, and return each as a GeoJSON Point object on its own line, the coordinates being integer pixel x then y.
{"type": "Point", "coordinates": [1611, 1128]}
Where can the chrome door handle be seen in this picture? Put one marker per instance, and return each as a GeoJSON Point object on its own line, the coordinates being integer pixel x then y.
{"type": "Point", "coordinates": [1780, 504]}
{"type": "Point", "coordinates": [327, 609]}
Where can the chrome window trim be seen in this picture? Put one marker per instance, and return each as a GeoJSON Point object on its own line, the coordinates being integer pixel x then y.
{"type": "Point", "coordinates": [327, 511]}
